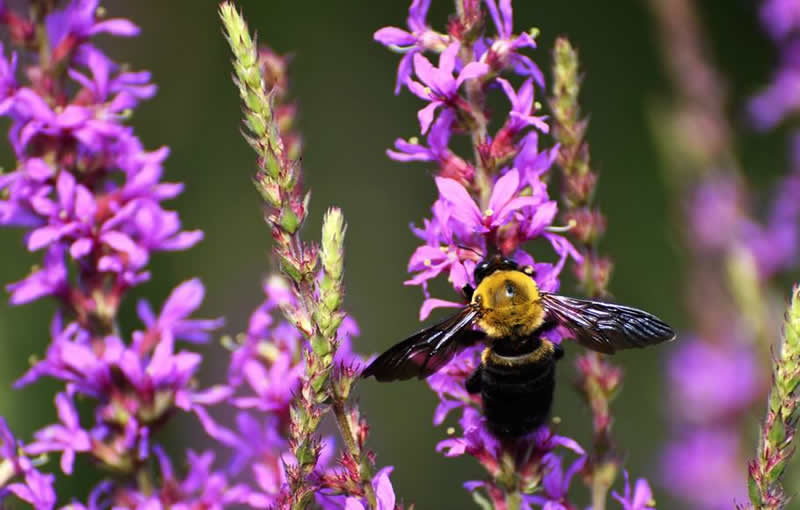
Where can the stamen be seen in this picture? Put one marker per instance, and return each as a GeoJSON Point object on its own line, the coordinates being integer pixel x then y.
{"type": "Point", "coordinates": [558, 230]}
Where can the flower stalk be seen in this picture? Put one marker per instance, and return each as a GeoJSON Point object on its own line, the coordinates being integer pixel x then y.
{"type": "Point", "coordinates": [317, 310]}
{"type": "Point", "coordinates": [775, 445]}
{"type": "Point", "coordinates": [598, 379]}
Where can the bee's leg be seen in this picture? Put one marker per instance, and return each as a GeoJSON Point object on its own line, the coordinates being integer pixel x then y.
{"type": "Point", "coordinates": [474, 382]}
{"type": "Point", "coordinates": [558, 351]}
{"type": "Point", "coordinates": [468, 291]}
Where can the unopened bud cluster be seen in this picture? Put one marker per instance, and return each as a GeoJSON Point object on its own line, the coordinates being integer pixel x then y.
{"type": "Point", "coordinates": [579, 181]}
{"type": "Point", "coordinates": [598, 380]}
{"type": "Point", "coordinates": [780, 425]}
{"type": "Point", "coordinates": [316, 272]}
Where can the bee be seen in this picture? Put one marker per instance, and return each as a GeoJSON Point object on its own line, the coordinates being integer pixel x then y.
{"type": "Point", "coordinates": [516, 375]}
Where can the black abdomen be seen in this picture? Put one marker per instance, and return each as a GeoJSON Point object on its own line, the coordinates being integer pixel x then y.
{"type": "Point", "coordinates": [516, 397]}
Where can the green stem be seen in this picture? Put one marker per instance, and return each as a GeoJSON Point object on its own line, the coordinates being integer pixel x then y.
{"type": "Point", "coordinates": [144, 481]}
{"type": "Point", "coordinates": [599, 492]}
{"type": "Point", "coordinates": [513, 500]}
{"type": "Point", "coordinates": [479, 130]}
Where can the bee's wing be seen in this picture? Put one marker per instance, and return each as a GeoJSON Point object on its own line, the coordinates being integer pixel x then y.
{"type": "Point", "coordinates": [425, 352]}
{"type": "Point", "coordinates": [606, 327]}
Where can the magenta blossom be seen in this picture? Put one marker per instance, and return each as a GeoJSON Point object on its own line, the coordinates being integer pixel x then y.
{"type": "Point", "coordinates": [418, 38]}
{"type": "Point", "coordinates": [438, 84]}
{"type": "Point", "coordinates": [504, 50]}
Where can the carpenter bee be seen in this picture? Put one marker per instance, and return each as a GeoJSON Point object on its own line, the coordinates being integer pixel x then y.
{"type": "Point", "coordinates": [516, 376]}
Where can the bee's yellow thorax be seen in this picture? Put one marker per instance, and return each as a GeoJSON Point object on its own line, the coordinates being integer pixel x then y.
{"type": "Point", "coordinates": [509, 303]}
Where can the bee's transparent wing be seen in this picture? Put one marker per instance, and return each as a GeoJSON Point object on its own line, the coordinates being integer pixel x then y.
{"type": "Point", "coordinates": [425, 352]}
{"type": "Point", "coordinates": [606, 327]}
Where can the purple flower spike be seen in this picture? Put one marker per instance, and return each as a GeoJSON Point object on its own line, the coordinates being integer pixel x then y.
{"type": "Point", "coordinates": [438, 84]}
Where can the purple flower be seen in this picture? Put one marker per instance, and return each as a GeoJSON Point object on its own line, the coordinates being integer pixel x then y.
{"type": "Point", "coordinates": [438, 84]}
{"type": "Point", "coordinates": [67, 437]}
{"type": "Point", "coordinates": [448, 383]}
{"type": "Point", "coordinates": [502, 204]}
{"type": "Point", "coordinates": [556, 482]}
{"type": "Point", "coordinates": [384, 493]}
{"type": "Point", "coordinates": [173, 321]}
{"type": "Point", "coordinates": [503, 51]}
{"type": "Point", "coordinates": [34, 487]}
{"type": "Point", "coordinates": [419, 38]}
{"type": "Point", "coordinates": [78, 19]}
{"type": "Point", "coordinates": [640, 498]}
{"type": "Point", "coordinates": [37, 489]}
{"type": "Point", "coordinates": [202, 487]}
{"type": "Point", "coordinates": [50, 280]}
{"type": "Point", "coordinates": [70, 214]}
{"type": "Point", "coordinates": [522, 106]}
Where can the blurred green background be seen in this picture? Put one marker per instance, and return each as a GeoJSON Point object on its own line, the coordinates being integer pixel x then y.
{"type": "Point", "coordinates": [343, 81]}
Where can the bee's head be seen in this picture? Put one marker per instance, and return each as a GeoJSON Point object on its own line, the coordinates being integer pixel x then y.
{"type": "Point", "coordinates": [506, 288]}
{"type": "Point", "coordinates": [492, 263]}
{"type": "Point", "coordinates": [509, 303]}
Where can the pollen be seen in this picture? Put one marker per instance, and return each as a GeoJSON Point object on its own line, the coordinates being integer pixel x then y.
{"type": "Point", "coordinates": [427, 262]}
{"type": "Point", "coordinates": [451, 431]}
{"type": "Point", "coordinates": [488, 212]}
{"type": "Point", "coordinates": [413, 140]}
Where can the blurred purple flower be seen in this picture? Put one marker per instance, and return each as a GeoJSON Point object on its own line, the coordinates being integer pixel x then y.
{"type": "Point", "coordinates": [780, 98]}
{"type": "Point", "coordinates": [719, 221]}
{"type": "Point", "coordinates": [713, 382]}
{"type": "Point", "coordinates": [780, 17]}
{"type": "Point", "coordinates": [706, 468]}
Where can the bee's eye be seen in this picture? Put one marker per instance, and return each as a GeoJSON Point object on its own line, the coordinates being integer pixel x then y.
{"type": "Point", "coordinates": [510, 290]}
